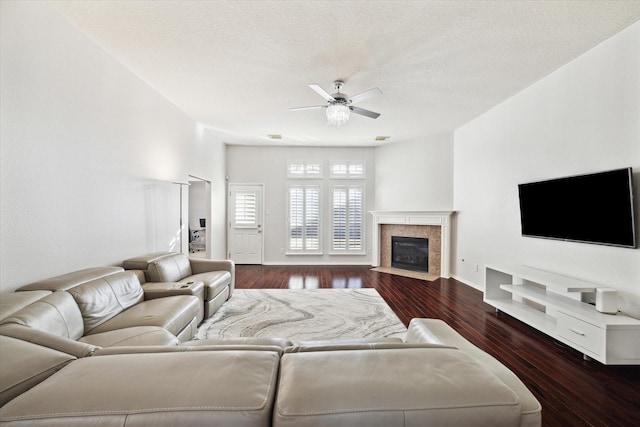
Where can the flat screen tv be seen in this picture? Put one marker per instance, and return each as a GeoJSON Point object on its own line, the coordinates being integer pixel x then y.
{"type": "Point", "coordinates": [595, 208]}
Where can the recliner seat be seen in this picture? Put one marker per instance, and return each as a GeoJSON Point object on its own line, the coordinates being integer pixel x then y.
{"type": "Point", "coordinates": [218, 277]}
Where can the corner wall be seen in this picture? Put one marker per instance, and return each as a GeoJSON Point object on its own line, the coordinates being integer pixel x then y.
{"type": "Point", "coordinates": [582, 118]}
{"type": "Point", "coordinates": [415, 176]}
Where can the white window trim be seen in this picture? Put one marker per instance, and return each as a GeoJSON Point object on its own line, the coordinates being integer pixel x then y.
{"type": "Point", "coordinates": [347, 163]}
{"type": "Point", "coordinates": [362, 250]}
{"type": "Point", "coordinates": [289, 250]}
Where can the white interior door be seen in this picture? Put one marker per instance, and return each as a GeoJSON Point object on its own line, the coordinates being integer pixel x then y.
{"type": "Point", "coordinates": [245, 223]}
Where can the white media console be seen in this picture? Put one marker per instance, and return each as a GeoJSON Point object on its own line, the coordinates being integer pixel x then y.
{"type": "Point", "coordinates": [552, 304]}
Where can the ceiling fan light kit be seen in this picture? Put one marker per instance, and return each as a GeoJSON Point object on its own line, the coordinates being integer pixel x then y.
{"type": "Point", "coordinates": [337, 114]}
{"type": "Point", "coordinates": [339, 104]}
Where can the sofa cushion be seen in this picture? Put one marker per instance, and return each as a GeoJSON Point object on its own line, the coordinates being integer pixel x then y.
{"type": "Point", "coordinates": [56, 313]}
{"type": "Point", "coordinates": [158, 389]}
{"type": "Point", "coordinates": [70, 280]}
{"type": "Point", "coordinates": [23, 365]}
{"type": "Point", "coordinates": [171, 268]}
{"type": "Point", "coordinates": [170, 313]}
{"type": "Point", "coordinates": [134, 336]}
{"type": "Point", "coordinates": [15, 301]}
{"type": "Point", "coordinates": [214, 282]}
{"type": "Point", "coordinates": [395, 387]}
{"type": "Point", "coordinates": [102, 299]}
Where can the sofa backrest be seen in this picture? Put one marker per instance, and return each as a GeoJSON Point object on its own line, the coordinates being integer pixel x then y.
{"type": "Point", "coordinates": [102, 299]}
{"type": "Point", "coordinates": [70, 280]}
{"type": "Point", "coordinates": [15, 301]}
{"type": "Point", "coordinates": [56, 313]}
{"type": "Point", "coordinates": [161, 266]}
{"type": "Point", "coordinates": [171, 268]}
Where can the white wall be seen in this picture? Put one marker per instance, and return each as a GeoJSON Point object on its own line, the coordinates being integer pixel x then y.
{"type": "Point", "coordinates": [268, 165]}
{"type": "Point", "coordinates": [415, 176]}
{"type": "Point", "coordinates": [584, 117]}
{"type": "Point", "coordinates": [88, 153]}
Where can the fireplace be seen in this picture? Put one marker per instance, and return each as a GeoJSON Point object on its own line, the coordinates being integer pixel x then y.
{"type": "Point", "coordinates": [432, 225]}
{"type": "Point", "coordinates": [410, 253]}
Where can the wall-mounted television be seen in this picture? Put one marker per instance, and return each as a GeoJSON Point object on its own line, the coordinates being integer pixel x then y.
{"type": "Point", "coordinates": [595, 208]}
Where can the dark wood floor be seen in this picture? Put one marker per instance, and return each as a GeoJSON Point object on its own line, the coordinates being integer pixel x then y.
{"type": "Point", "coordinates": [573, 392]}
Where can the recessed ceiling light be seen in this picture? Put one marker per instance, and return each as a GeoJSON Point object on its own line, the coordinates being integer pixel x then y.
{"type": "Point", "coordinates": [275, 136]}
{"type": "Point", "coordinates": [382, 138]}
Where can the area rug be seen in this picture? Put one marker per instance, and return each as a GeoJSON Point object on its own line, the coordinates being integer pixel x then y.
{"type": "Point", "coordinates": [306, 314]}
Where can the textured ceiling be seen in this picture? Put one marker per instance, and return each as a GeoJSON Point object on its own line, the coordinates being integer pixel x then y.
{"type": "Point", "coordinates": [238, 66]}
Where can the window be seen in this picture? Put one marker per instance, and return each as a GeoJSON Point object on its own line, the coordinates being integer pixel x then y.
{"type": "Point", "coordinates": [348, 169]}
{"type": "Point", "coordinates": [348, 218]}
{"type": "Point", "coordinates": [244, 208]}
{"type": "Point", "coordinates": [304, 219]}
{"type": "Point", "coordinates": [304, 169]}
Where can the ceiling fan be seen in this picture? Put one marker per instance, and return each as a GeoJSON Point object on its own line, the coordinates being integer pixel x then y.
{"type": "Point", "coordinates": [339, 105]}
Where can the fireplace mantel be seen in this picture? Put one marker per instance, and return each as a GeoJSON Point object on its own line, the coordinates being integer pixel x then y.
{"type": "Point", "coordinates": [439, 218]}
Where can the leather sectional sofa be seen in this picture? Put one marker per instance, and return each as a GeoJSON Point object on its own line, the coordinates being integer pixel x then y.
{"type": "Point", "coordinates": [146, 378]}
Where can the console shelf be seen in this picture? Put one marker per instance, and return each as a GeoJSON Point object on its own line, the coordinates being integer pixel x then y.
{"type": "Point", "coordinates": [553, 304]}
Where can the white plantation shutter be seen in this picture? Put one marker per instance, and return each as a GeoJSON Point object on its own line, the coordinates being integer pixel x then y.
{"type": "Point", "coordinates": [304, 169]}
{"type": "Point", "coordinates": [353, 169]}
{"type": "Point", "coordinates": [348, 218]}
{"type": "Point", "coordinates": [339, 218]}
{"type": "Point", "coordinates": [355, 217]}
{"type": "Point", "coordinates": [304, 219]}
{"type": "Point", "coordinates": [245, 214]}
{"type": "Point", "coordinates": [313, 170]}
{"type": "Point", "coordinates": [296, 217]}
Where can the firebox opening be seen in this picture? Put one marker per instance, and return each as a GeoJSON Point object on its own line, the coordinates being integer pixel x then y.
{"type": "Point", "coordinates": [410, 253]}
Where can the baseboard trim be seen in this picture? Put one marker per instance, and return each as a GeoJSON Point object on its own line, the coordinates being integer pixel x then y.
{"type": "Point", "coordinates": [315, 263]}
{"type": "Point", "coordinates": [468, 283]}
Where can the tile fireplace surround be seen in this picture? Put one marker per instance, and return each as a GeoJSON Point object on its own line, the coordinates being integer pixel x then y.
{"type": "Point", "coordinates": [433, 225]}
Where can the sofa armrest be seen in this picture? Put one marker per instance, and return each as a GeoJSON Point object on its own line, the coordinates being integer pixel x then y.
{"type": "Point", "coordinates": [419, 332]}
{"type": "Point", "coordinates": [199, 265]}
{"type": "Point", "coordinates": [153, 290]}
{"type": "Point", "coordinates": [48, 340]}
{"type": "Point", "coordinates": [25, 365]}
{"type": "Point", "coordinates": [204, 265]}
{"type": "Point", "coordinates": [432, 330]}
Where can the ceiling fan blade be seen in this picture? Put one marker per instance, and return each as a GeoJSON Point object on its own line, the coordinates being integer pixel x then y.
{"type": "Point", "coordinates": [307, 108]}
{"type": "Point", "coordinates": [366, 95]}
{"type": "Point", "coordinates": [364, 112]}
{"type": "Point", "coordinates": [322, 92]}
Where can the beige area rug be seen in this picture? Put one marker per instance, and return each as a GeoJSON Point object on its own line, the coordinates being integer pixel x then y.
{"type": "Point", "coordinates": [406, 273]}
{"type": "Point", "coordinates": [305, 314]}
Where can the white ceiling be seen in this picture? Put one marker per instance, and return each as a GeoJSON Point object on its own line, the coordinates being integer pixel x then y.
{"type": "Point", "coordinates": [238, 66]}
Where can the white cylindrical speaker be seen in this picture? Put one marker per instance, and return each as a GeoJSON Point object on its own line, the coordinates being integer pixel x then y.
{"type": "Point", "coordinates": [607, 300]}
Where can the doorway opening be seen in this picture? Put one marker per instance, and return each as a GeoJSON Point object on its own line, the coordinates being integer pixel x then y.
{"type": "Point", "coordinates": [199, 217]}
